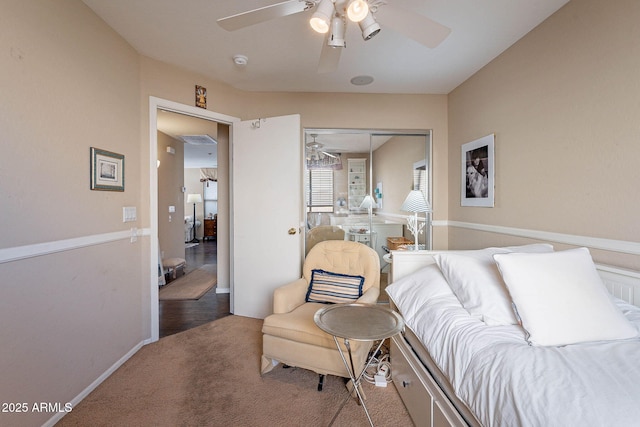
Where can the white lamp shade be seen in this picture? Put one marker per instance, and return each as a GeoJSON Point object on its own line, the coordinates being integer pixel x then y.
{"type": "Point", "coordinates": [194, 198]}
{"type": "Point", "coordinates": [357, 10]}
{"type": "Point", "coordinates": [368, 202]}
{"type": "Point", "coordinates": [321, 18]}
{"type": "Point", "coordinates": [415, 202]}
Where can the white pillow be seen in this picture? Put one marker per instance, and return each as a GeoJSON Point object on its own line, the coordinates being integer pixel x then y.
{"type": "Point", "coordinates": [561, 299]}
{"type": "Point", "coordinates": [476, 282]}
{"type": "Point", "coordinates": [413, 291]}
{"type": "Point", "coordinates": [531, 248]}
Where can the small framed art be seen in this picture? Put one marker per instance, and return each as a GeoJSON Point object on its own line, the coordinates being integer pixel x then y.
{"type": "Point", "coordinates": [107, 170]}
{"type": "Point", "coordinates": [201, 96]}
{"type": "Point", "coordinates": [478, 174]}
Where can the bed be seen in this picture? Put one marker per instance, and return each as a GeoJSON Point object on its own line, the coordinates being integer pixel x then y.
{"type": "Point", "coordinates": [570, 355]}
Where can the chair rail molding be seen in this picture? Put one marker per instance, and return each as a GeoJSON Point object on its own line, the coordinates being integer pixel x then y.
{"type": "Point", "coordinates": [39, 249]}
{"type": "Point", "coordinates": [622, 246]}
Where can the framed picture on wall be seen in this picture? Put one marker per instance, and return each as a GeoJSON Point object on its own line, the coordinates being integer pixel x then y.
{"type": "Point", "coordinates": [478, 173]}
{"type": "Point", "coordinates": [107, 170]}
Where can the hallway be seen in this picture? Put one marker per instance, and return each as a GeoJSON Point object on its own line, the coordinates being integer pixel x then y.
{"type": "Point", "coordinates": [178, 316]}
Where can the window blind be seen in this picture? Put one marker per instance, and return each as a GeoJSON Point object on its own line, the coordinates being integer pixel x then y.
{"type": "Point", "coordinates": [319, 187]}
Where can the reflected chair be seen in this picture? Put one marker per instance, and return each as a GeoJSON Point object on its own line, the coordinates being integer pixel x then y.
{"type": "Point", "coordinates": [322, 233]}
{"type": "Point", "coordinates": [290, 335]}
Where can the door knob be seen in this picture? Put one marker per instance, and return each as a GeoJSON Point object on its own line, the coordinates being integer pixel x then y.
{"type": "Point", "coordinates": [292, 231]}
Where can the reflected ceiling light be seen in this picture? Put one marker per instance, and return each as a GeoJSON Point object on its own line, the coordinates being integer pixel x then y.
{"type": "Point", "coordinates": [321, 18]}
{"type": "Point", "coordinates": [357, 10]}
{"type": "Point", "coordinates": [336, 38]}
{"type": "Point", "coordinates": [369, 26]}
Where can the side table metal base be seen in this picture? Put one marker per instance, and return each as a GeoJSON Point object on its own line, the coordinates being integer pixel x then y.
{"type": "Point", "coordinates": [354, 380]}
{"type": "Point", "coordinates": [358, 322]}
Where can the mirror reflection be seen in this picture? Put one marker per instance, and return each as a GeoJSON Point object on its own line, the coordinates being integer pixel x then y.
{"type": "Point", "coordinates": [356, 185]}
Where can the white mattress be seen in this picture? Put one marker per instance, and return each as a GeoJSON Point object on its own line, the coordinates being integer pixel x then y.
{"type": "Point", "coordinates": [507, 382]}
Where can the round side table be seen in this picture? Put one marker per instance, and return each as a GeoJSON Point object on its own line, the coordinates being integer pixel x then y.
{"type": "Point", "coordinates": [358, 322]}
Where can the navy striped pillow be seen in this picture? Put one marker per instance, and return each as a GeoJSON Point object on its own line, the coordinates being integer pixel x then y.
{"type": "Point", "coordinates": [327, 287]}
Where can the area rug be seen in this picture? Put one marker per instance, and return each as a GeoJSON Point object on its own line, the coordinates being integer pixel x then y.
{"type": "Point", "coordinates": [190, 286]}
{"type": "Point", "coordinates": [210, 376]}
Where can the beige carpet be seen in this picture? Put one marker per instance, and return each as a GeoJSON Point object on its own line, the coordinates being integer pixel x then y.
{"type": "Point", "coordinates": [210, 376]}
{"type": "Point", "coordinates": [190, 286]}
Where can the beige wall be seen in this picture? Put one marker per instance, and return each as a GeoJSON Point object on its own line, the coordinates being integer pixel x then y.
{"type": "Point", "coordinates": [563, 103]}
{"type": "Point", "coordinates": [170, 181]}
{"type": "Point", "coordinates": [393, 165]}
{"type": "Point", "coordinates": [68, 82]}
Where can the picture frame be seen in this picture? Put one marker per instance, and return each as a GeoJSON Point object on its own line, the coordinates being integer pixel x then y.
{"type": "Point", "coordinates": [477, 183]}
{"type": "Point", "coordinates": [201, 96]}
{"type": "Point", "coordinates": [107, 170]}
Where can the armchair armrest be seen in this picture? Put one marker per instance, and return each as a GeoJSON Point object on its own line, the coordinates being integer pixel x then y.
{"type": "Point", "coordinates": [370, 296]}
{"type": "Point", "coordinates": [288, 297]}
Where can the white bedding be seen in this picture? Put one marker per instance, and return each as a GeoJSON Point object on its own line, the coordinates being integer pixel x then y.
{"type": "Point", "coordinates": [507, 382]}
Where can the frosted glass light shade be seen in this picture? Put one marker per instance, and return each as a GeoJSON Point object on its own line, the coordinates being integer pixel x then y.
{"type": "Point", "coordinates": [415, 202]}
{"type": "Point", "coordinates": [194, 198]}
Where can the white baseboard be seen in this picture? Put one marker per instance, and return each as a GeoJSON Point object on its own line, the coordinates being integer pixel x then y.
{"type": "Point", "coordinates": [223, 290]}
{"type": "Point", "coordinates": [76, 400]}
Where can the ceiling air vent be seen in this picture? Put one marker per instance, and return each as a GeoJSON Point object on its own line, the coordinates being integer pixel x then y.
{"type": "Point", "coordinates": [198, 139]}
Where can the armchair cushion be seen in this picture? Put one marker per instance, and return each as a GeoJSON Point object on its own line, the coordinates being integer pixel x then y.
{"type": "Point", "coordinates": [298, 326]}
{"type": "Point", "coordinates": [328, 287]}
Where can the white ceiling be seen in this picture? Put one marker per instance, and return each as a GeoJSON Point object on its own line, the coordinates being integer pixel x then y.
{"type": "Point", "coordinates": [283, 53]}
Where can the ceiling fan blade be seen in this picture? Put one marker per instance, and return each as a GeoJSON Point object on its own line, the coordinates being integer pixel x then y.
{"type": "Point", "coordinates": [329, 154]}
{"type": "Point", "coordinates": [262, 14]}
{"type": "Point", "coordinates": [417, 27]}
{"type": "Point", "coordinates": [329, 57]}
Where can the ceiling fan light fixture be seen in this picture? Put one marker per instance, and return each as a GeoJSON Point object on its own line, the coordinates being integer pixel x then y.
{"type": "Point", "coordinates": [336, 38]}
{"type": "Point", "coordinates": [321, 18]}
{"type": "Point", "coordinates": [369, 26]}
{"type": "Point", "coordinates": [357, 10]}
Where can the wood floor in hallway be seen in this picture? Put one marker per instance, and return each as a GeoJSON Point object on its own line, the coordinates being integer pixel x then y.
{"type": "Point", "coordinates": [178, 316]}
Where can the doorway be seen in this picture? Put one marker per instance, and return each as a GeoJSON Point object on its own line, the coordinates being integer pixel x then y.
{"type": "Point", "coordinates": [188, 167]}
{"type": "Point", "coordinates": [156, 106]}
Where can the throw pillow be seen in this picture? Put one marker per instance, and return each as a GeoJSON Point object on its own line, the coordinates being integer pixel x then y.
{"type": "Point", "coordinates": [330, 288]}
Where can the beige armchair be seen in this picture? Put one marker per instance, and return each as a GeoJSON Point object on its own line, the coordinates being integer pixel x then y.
{"type": "Point", "coordinates": [322, 233]}
{"type": "Point", "coordinates": [291, 337]}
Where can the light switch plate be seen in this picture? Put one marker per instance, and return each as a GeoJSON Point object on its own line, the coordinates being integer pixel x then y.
{"type": "Point", "coordinates": [172, 209]}
{"type": "Point", "coordinates": [129, 214]}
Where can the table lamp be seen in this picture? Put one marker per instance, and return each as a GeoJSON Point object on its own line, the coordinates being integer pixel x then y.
{"type": "Point", "coordinates": [415, 202]}
{"type": "Point", "coordinates": [368, 203]}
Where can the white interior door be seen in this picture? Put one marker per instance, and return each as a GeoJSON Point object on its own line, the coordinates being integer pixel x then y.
{"type": "Point", "coordinates": [267, 191]}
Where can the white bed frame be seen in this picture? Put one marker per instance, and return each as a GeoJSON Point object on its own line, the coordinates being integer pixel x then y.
{"type": "Point", "coordinates": [424, 391]}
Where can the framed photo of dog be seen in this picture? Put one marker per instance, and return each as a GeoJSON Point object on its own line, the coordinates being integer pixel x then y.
{"type": "Point", "coordinates": [478, 173]}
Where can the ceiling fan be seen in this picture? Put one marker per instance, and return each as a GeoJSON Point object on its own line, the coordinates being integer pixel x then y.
{"type": "Point", "coordinates": [314, 149]}
{"type": "Point", "coordinates": [331, 16]}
